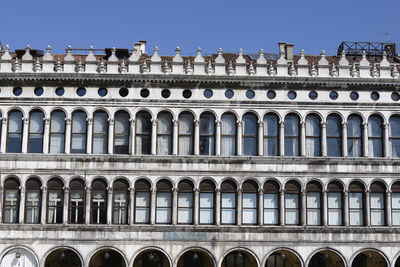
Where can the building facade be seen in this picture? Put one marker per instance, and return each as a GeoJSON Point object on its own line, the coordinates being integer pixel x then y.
{"type": "Point", "coordinates": [119, 158]}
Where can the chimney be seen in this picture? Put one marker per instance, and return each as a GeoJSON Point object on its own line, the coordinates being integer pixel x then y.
{"type": "Point", "coordinates": [138, 50]}
{"type": "Point", "coordinates": [282, 48]}
{"type": "Point", "coordinates": [142, 46]}
{"type": "Point", "coordinates": [289, 52]}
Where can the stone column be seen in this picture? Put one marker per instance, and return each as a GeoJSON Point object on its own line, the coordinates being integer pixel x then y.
{"type": "Point", "coordinates": [218, 206]}
{"type": "Point", "coordinates": [3, 134]}
{"type": "Point", "coordinates": [153, 137]}
{"type": "Point", "coordinates": [196, 209]}
{"type": "Point", "coordinates": [131, 219]}
{"type": "Point", "coordinates": [386, 143]}
{"type": "Point", "coordinates": [303, 138]}
{"type": "Point", "coordinates": [132, 137]}
{"type": "Point", "coordinates": [25, 134]}
{"type": "Point", "coordinates": [344, 140]}
{"type": "Point", "coordinates": [260, 210]}
{"type": "Point", "coordinates": [65, 205]}
{"type": "Point", "coordinates": [218, 138]}
{"type": "Point", "coordinates": [303, 208]}
{"type": "Point", "coordinates": [22, 205]}
{"type": "Point", "coordinates": [324, 146]}
{"type": "Point", "coordinates": [1, 204]}
{"type": "Point", "coordinates": [282, 207]}
{"type": "Point", "coordinates": [260, 138]}
{"type": "Point", "coordinates": [88, 201]}
{"type": "Point", "coordinates": [239, 138]}
{"type": "Point", "coordinates": [46, 135]}
{"type": "Point", "coordinates": [346, 212]}
{"type": "Point", "coordinates": [325, 208]}
{"type": "Point", "coordinates": [239, 207]}
{"type": "Point", "coordinates": [175, 137]}
{"type": "Point", "coordinates": [388, 208]}
{"type": "Point", "coordinates": [174, 206]}
{"type": "Point", "coordinates": [109, 204]}
{"type": "Point", "coordinates": [111, 136]}
{"type": "Point", "coordinates": [282, 138]}
{"type": "Point", "coordinates": [43, 213]}
{"type": "Point", "coordinates": [153, 205]}
{"type": "Point", "coordinates": [67, 135]}
{"type": "Point", "coordinates": [89, 135]}
{"type": "Point", "coordinates": [365, 139]}
{"type": "Point", "coordinates": [196, 137]}
{"type": "Point", "coordinates": [367, 215]}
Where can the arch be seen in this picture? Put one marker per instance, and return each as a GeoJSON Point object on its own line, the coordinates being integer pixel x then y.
{"type": "Point", "coordinates": [272, 112]}
{"type": "Point", "coordinates": [207, 110]}
{"type": "Point", "coordinates": [80, 109]}
{"type": "Point", "coordinates": [249, 256]}
{"type": "Point", "coordinates": [273, 180]}
{"type": "Point", "coordinates": [11, 257]}
{"type": "Point", "coordinates": [167, 110]}
{"type": "Point", "coordinates": [137, 259]}
{"type": "Point", "coordinates": [12, 109]}
{"type": "Point", "coordinates": [194, 114]}
{"type": "Point", "coordinates": [333, 113]}
{"type": "Point", "coordinates": [357, 181]}
{"type": "Point", "coordinates": [357, 114]}
{"type": "Point", "coordinates": [63, 256]}
{"type": "Point", "coordinates": [37, 108]}
{"type": "Point", "coordinates": [371, 254]}
{"type": "Point", "coordinates": [330, 258]}
{"type": "Point", "coordinates": [145, 180]}
{"type": "Point", "coordinates": [203, 251]}
{"type": "Point", "coordinates": [289, 256]}
{"type": "Point", "coordinates": [334, 180]}
{"type": "Point", "coordinates": [295, 180]}
{"type": "Point", "coordinates": [250, 180]}
{"type": "Point", "coordinates": [315, 113]}
{"type": "Point", "coordinates": [143, 109]}
{"type": "Point", "coordinates": [101, 178]}
{"type": "Point", "coordinates": [292, 112]}
{"type": "Point", "coordinates": [61, 109]}
{"type": "Point", "coordinates": [113, 254]}
{"type": "Point", "coordinates": [379, 114]}
{"type": "Point", "coordinates": [123, 109]}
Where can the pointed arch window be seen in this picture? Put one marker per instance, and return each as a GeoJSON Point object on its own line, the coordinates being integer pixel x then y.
{"type": "Point", "coordinates": [228, 135]}
{"type": "Point", "coordinates": [207, 200]}
{"type": "Point", "coordinates": [164, 134]}
{"type": "Point", "coordinates": [335, 203]}
{"type": "Point", "coordinates": [99, 202]}
{"type": "Point", "coordinates": [313, 203]}
{"type": "Point", "coordinates": [142, 201]}
{"type": "Point", "coordinates": [186, 126]}
{"type": "Point", "coordinates": [292, 203]}
{"type": "Point", "coordinates": [228, 202]}
{"type": "Point", "coordinates": [271, 142]}
{"type": "Point", "coordinates": [271, 203]}
{"type": "Point", "coordinates": [249, 202]}
{"type": "Point", "coordinates": [250, 134]}
{"type": "Point", "coordinates": [55, 201]}
{"type": "Point", "coordinates": [100, 132]}
{"type": "Point", "coordinates": [377, 201]}
{"type": "Point", "coordinates": [15, 129]}
{"type": "Point", "coordinates": [354, 136]}
{"type": "Point", "coordinates": [394, 136]}
{"type": "Point", "coordinates": [207, 134]}
{"type": "Point", "coordinates": [120, 202]}
{"type": "Point", "coordinates": [396, 203]}
{"type": "Point", "coordinates": [78, 132]}
{"type": "Point", "coordinates": [164, 202]}
{"type": "Point", "coordinates": [292, 135]}
{"type": "Point", "coordinates": [313, 136]}
{"type": "Point", "coordinates": [143, 133]}
{"type": "Point", "coordinates": [77, 202]}
{"type": "Point", "coordinates": [57, 132]}
{"type": "Point", "coordinates": [356, 204]}
{"type": "Point", "coordinates": [375, 134]}
{"type": "Point", "coordinates": [11, 200]}
{"type": "Point", "coordinates": [32, 200]}
{"type": "Point", "coordinates": [334, 136]}
{"type": "Point", "coordinates": [36, 130]}
{"type": "Point", "coordinates": [185, 202]}
{"type": "Point", "coordinates": [121, 133]}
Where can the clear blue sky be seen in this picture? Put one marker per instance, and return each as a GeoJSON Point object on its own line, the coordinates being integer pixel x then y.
{"type": "Point", "coordinates": [311, 25]}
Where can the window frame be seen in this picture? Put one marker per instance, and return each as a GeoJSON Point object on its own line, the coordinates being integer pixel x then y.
{"type": "Point", "coordinates": [313, 117]}
{"type": "Point", "coordinates": [39, 204]}
{"type": "Point", "coordinates": [189, 135]}
{"type": "Point", "coordinates": [144, 115]}
{"type": "Point", "coordinates": [148, 208]}
{"type": "Point", "coordinates": [232, 190]}
{"type": "Point", "coordinates": [375, 138]}
{"type": "Point", "coordinates": [168, 208]}
{"type": "Point", "coordinates": [122, 136]}
{"type": "Point", "coordinates": [167, 134]}
{"type": "Point", "coordinates": [205, 190]}
{"type": "Point", "coordinates": [52, 134]}
{"type": "Point", "coordinates": [335, 188]}
{"type": "Point", "coordinates": [121, 208]}
{"type": "Point", "coordinates": [271, 137]}
{"type": "Point", "coordinates": [31, 134]}
{"type": "Point", "coordinates": [210, 137]}
{"type": "Point", "coordinates": [334, 137]}
{"type": "Point", "coordinates": [82, 134]}
{"type": "Point", "coordinates": [358, 139]}
{"type": "Point", "coordinates": [297, 137]}
{"type": "Point", "coordinates": [100, 220]}
{"type": "Point", "coordinates": [20, 133]}
{"type": "Point", "coordinates": [190, 208]}
{"type": "Point", "coordinates": [103, 136]}
{"type": "Point", "coordinates": [75, 208]}
{"type": "Point", "coordinates": [15, 207]}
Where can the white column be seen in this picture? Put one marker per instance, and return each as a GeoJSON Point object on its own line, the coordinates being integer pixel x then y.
{"type": "Point", "coordinates": [282, 138]}
{"type": "Point", "coordinates": [218, 206]}
{"type": "Point", "coordinates": [153, 205]}
{"type": "Point", "coordinates": [89, 135]}
{"type": "Point", "coordinates": [25, 134]}
{"type": "Point", "coordinates": [218, 138]}
{"type": "Point", "coordinates": [303, 208]}
{"type": "Point", "coordinates": [131, 220]}
{"type": "Point", "coordinates": [346, 208]}
{"type": "Point", "coordinates": [365, 139]}
{"type": "Point", "coordinates": [175, 137]}
{"type": "Point", "coordinates": [65, 205]}
{"type": "Point", "coordinates": [196, 205]}
{"type": "Point", "coordinates": [260, 206]}
{"type": "Point", "coordinates": [109, 204]}
{"type": "Point", "coordinates": [196, 137]}
{"type": "Point", "coordinates": [46, 135]}
{"type": "Point", "coordinates": [388, 208]}
{"type": "Point", "coordinates": [132, 137]}
{"type": "Point", "coordinates": [260, 138]}
{"type": "Point", "coordinates": [111, 136]}
{"type": "Point", "coordinates": [324, 147]}
{"type": "Point", "coordinates": [44, 205]}
{"type": "Point", "coordinates": [87, 205]}
{"type": "Point", "coordinates": [325, 208]}
{"type": "Point", "coordinates": [386, 144]}
{"type": "Point", "coordinates": [344, 140]}
{"type": "Point", "coordinates": [67, 135]}
{"type": "Point", "coordinates": [282, 207]}
{"type": "Point", "coordinates": [367, 208]}
{"type": "Point", "coordinates": [239, 207]}
{"type": "Point", "coordinates": [22, 205]}
{"type": "Point", "coordinates": [302, 138]}
{"type": "Point", "coordinates": [153, 137]}
{"type": "Point", "coordinates": [1, 203]}
{"type": "Point", "coordinates": [239, 138]}
{"type": "Point", "coordinates": [174, 206]}
{"type": "Point", "coordinates": [3, 134]}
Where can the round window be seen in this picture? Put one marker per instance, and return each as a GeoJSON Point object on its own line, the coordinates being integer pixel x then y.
{"type": "Point", "coordinates": [60, 91]}
{"type": "Point", "coordinates": [333, 95]}
{"type": "Point", "coordinates": [229, 93]}
{"type": "Point", "coordinates": [144, 92]}
{"type": "Point", "coordinates": [375, 96]}
{"type": "Point", "coordinates": [271, 94]}
{"type": "Point", "coordinates": [17, 91]}
{"type": "Point", "coordinates": [81, 91]}
{"type": "Point", "coordinates": [292, 95]}
{"type": "Point", "coordinates": [123, 92]}
{"type": "Point", "coordinates": [313, 95]}
{"type": "Point", "coordinates": [38, 91]}
{"type": "Point", "coordinates": [102, 92]}
{"type": "Point", "coordinates": [395, 96]}
{"type": "Point", "coordinates": [165, 93]}
{"type": "Point", "coordinates": [250, 94]}
{"type": "Point", "coordinates": [208, 93]}
{"type": "Point", "coordinates": [187, 93]}
{"type": "Point", "coordinates": [354, 96]}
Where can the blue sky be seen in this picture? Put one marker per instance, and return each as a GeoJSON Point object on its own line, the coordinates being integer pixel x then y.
{"type": "Point", "coordinates": [311, 25]}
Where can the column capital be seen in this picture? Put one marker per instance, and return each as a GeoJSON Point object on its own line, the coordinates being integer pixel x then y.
{"type": "Point", "coordinates": [365, 124]}
{"type": "Point", "coordinates": [175, 122]}
{"type": "Point", "coordinates": [88, 189]}
{"type": "Point", "coordinates": [109, 189]}
{"type": "Point", "coordinates": [218, 190]}
{"type": "Point", "coordinates": [196, 190]}
{"type": "Point", "coordinates": [282, 124]}
{"type": "Point", "coordinates": [218, 123]}
{"type": "Point", "coordinates": [302, 124]}
{"type": "Point", "coordinates": [131, 190]}
{"type": "Point", "coordinates": [46, 120]}
{"type": "Point", "coordinates": [260, 191]}
{"type": "Point", "coordinates": [282, 191]}
{"type": "Point", "coordinates": [110, 120]}
{"type": "Point", "coordinates": [260, 123]}
{"type": "Point", "coordinates": [385, 125]}
{"type": "Point", "coordinates": [89, 120]}
{"type": "Point", "coordinates": [25, 120]}
{"type": "Point", "coordinates": [132, 121]}
{"type": "Point", "coordinates": [43, 188]}
{"type": "Point", "coordinates": [239, 190]}
{"type": "Point", "coordinates": [66, 189]}
{"type": "Point", "coordinates": [154, 122]}
{"type": "Point", "coordinates": [344, 124]}
{"type": "Point", "coordinates": [239, 123]}
{"type": "Point", "coordinates": [388, 191]}
{"type": "Point", "coordinates": [68, 120]}
{"type": "Point", "coordinates": [4, 120]}
{"type": "Point", "coordinates": [196, 122]}
{"type": "Point", "coordinates": [323, 124]}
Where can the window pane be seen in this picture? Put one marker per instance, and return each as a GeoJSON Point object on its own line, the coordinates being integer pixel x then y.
{"type": "Point", "coordinates": [356, 200]}
{"type": "Point", "coordinates": [249, 146]}
{"type": "Point", "coordinates": [228, 124]}
{"type": "Point", "coordinates": [228, 135]}
{"type": "Point", "coordinates": [122, 125]}
{"type": "Point", "coordinates": [313, 217]}
{"type": "Point", "coordinates": [270, 216]}
{"type": "Point", "coordinates": [57, 142]}
{"type": "Point", "coordinates": [291, 125]}
{"type": "Point", "coordinates": [292, 201]}
{"type": "Point", "coordinates": [375, 148]}
{"type": "Point", "coordinates": [270, 201]}
{"type": "Point", "coordinates": [228, 200]}
{"type": "Point", "coordinates": [228, 216]}
{"type": "Point", "coordinates": [356, 217]}
{"type": "Point", "coordinates": [185, 215]}
{"type": "Point", "coordinates": [78, 143]}
{"type": "Point", "coordinates": [249, 200]}
{"type": "Point", "coordinates": [292, 217]}
{"type": "Point", "coordinates": [335, 217]}
{"type": "Point", "coordinates": [354, 147]}
{"type": "Point", "coordinates": [396, 200]}
{"type": "Point", "coordinates": [206, 200]}
{"type": "Point", "coordinates": [142, 215]}
{"type": "Point", "coordinates": [313, 200]}
{"type": "Point", "coordinates": [377, 201]}
{"type": "Point", "coordinates": [396, 217]}
{"type": "Point", "coordinates": [270, 146]}
{"type": "Point", "coordinates": [207, 123]}
{"type": "Point", "coordinates": [142, 199]}
{"type": "Point", "coordinates": [206, 216]}
{"type": "Point", "coordinates": [163, 215]}
{"type": "Point", "coordinates": [36, 122]}
{"type": "Point", "coordinates": [79, 122]}
{"type": "Point", "coordinates": [249, 124]}
{"type": "Point", "coordinates": [334, 147]}
{"type": "Point", "coordinates": [249, 216]}
{"type": "Point", "coordinates": [271, 125]}
{"type": "Point", "coordinates": [291, 147]}
{"type": "Point", "coordinates": [228, 146]}
{"type": "Point", "coordinates": [185, 200]}
{"type": "Point", "coordinates": [163, 199]}
{"type": "Point", "coordinates": [377, 217]}
{"type": "Point", "coordinates": [334, 200]}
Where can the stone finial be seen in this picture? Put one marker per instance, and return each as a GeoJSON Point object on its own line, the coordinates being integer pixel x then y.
{"type": "Point", "coordinates": [210, 69]}
{"type": "Point", "coordinates": [292, 70]}
{"type": "Point", "coordinates": [134, 56]}
{"type": "Point", "coordinates": [58, 67]}
{"type": "Point", "coordinates": [384, 62]}
{"type": "Point", "coordinates": [240, 59]}
{"type": "Point", "coordinates": [69, 57]}
{"type": "Point", "coordinates": [102, 67]}
{"type": "Point", "coordinates": [353, 71]}
{"type": "Point", "coordinates": [199, 57]}
{"type": "Point", "coordinates": [271, 70]}
{"type": "Point", "coordinates": [90, 57]}
{"type": "Point", "coordinates": [302, 60]}
{"type": "Point", "coordinates": [156, 57]}
{"type": "Point", "coordinates": [395, 72]}
{"type": "Point", "coordinates": [343, 60]}
{"type": "Point", "coordinates": [122, 67]}
{"type": "Point", "coordinates": [374, 71]}
{"type": "Point", "coordinates": [313, 71]}
{"type": "Point", "coordinates": [364, 61]}
{"type": "Point", "coordinates": [37, 67]}
{"type": "Point", "coordinates": [177, 57]}
{"type": "Point", "coordinates": [252, 71]}
{"type": "Point", "coordinates": [230, 69]}
{"type": "Point", "coordinates": [145, 67]}
{"type": "Point", "coordinates": [261, 59]}
{"type": "Point", "coordinates": [113, 57]}
{"type": "Point", "coordinates": [188, 69]}
{"type": "Point", "coordinates": [282, 60]}
{"type": "Point", "coordinates": [323, 60]}
{"type": "Point", "coordinates": [167, 69]}
{"type": "Point", "coordinates": [48, 56]}
{"type": "Point", "coordinates": [27, 56]}
{"type": "Point", "coordinates": [334, 71]}
{"type": "Point", "coordinates": [219, 59]}
{"type": "Point", "coordinates": [6, 55]}
{"type": "Point", "coordinates": [17, 65]}
{"type": "Point", "coordinates": [79, 67]}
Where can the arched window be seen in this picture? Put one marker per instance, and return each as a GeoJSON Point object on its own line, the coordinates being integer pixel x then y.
{"type": "Point", "coordinates": [15, 128]}
{"type": "Point", "coordinates": [207, 134]}
{"type": "Point", "coordinates": [57, 132]}
{"type": "Point", "coordinates": [333, 136]}
{"type": "Point", "coordinates": [228, 202]}
{"type": "Point", "coordinates": [313, 136]}
{"type": "Point", "coordinates": [99, 202]}
{"type": "Point", "coordinates": [396, 203]}
{"type": "Point", "coordinates": [100, 132]}
{"type": "Point", "coordinates": [143, 133]}
{"type": "Point", "coordinates": [356, 204]}
{"type": "Point", "coordinates": [207, 200]}
{"type": "Point", "coordinates": [11, 200]}
{"type": "Point", "coordinates": [377, 199]}
{"type": "Point", "coordinates": [77, 201]}
{"type": "Point", "coordinates": [271, 203]}
{"type": "Point", "coordinates": [250, 134]}
{"type": "Point", "coordinates": [32, 200]}
{"type": "Point", "coordinates": [185, 144]}
{"type": "Point", "coordinates": [271, 141]}
{"type": "Point", "coordinates": [292, 135]}
{"type": "Point", "coordinates": [354, 136]}
{"type": "Point", "coordinates": [394, 136]}
{"type": "Point", "coordinates": [121, 132]}
{"type": "Point", "coordinates": [314, 203]}
{"type": "Point", "coordinates": [78, 132]}
{"type": "Point", "coordinates": [249, 202]}
{"type": "Point", "coordinates": [375, 142]}
{"type": "Point", "coordinates": [164, 202]}
{"type": "Point", "coordinates": [292, 203]}
{"type": "Point", "coordinates": [228, 135]}
{"type": "Point", "coordinates": [185, 202]}
{"type": "Point", "coordinates": [142, 201]}
{"type": "Point", "coordinates": [164, 134]}
{"type": "Point", "coordinates": [55, 201]}
{"type": "Point", "coordinates": [335, 206]}
{"type": "Point", "coordinates": [120, 201]}
{"type": "Point", "coordinates": [36, 129]}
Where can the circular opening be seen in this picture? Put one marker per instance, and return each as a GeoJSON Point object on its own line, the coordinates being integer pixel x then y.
{"type": "Point", "coordinates": [38, 91]}
{"type": "Point", "coordinates": [144, 92]}
{"type": "Point", "coordinates": [313, 95]}
{"type": "Point", "coordinates": [374, 96]}
{"type": "Point", "coordinates": [250, 94]}
{"type": "Point", "coordinates": [165, 93]}
{"type": "Point", "coordinates": [229, 94]}
{"type": "Point", "coordinates": [60, 91]}
{"type": "Point", "coordinates": [17, 91]}
{"type": "Point", "coordinates": [292, 95]}
{"type": "Point", "coordinates": [354, 95]}
{"type": "Point", "coordinates": [271, 94]}
{"type": "Point", "coordinates": [102, 92]}
{"type": "Point", "coordinates": [123, 92]}
{"type": "Point", "coordinates": [81, 91]}
{"type": "Point", "coordinates": [395, 96]}
{"type": "Point", "coordinates": [208, 93]}
{"type": "Point", "coordinates": [187, 93]}
{"type": "Point", "coordinates": [333, 95]}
